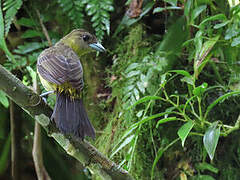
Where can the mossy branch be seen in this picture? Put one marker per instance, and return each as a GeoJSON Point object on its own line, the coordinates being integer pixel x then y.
{"type": "Point", "coordinates": [35, 107]}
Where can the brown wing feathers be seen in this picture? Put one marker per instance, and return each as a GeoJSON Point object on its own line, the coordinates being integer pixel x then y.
{"type": "Point", "coordinates": [58, 69]}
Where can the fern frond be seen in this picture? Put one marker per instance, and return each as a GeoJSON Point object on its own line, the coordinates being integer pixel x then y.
{"type": "Point", "coordinates": [74, 10]}
{"type": "Point", "coordinates": [100, 12]}
{"type": "Point", "coordinates": [10, 7]}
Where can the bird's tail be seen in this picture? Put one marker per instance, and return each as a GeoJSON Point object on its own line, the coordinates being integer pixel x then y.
{"type": "Point", "coordinates": [71, 117]}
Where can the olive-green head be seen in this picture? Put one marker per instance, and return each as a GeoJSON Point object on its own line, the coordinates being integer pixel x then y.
{"type": "Point", "coordinates": [82, 42]}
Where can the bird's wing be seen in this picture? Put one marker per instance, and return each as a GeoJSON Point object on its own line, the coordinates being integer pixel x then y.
{"type": "Point", "coordinates": [59, 69]}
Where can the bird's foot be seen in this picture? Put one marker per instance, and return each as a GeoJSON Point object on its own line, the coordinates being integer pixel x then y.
{"type": "Point", "coordinates": [44, 95]}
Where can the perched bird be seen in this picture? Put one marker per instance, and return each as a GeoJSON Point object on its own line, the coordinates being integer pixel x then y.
{"type": "Point", "coordinates": [60, 70]}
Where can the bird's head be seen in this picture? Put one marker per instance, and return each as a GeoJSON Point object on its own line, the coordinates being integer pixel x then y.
{"type": "Point", "coordinates": [82, 42]}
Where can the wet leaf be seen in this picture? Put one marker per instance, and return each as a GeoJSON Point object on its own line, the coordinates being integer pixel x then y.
{"type": "Point", "coordinates": [210, 139]}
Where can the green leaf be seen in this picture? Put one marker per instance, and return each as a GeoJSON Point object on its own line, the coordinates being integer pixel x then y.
{"type": "Point", "coordinates": [11, 8]}
{"type": "Point", "coordinates": [205, 166]}
{"type": "Point", "coordinates": [124, 143]}
{"type": "Point", "coordinates": [133, 73]}
{"type": "Point", "coordinates": [74, 10]}
{"type": "Point", "coordinates": [185, 130]}
{"type": "Point", "coordinates": [198, 91]}
{"type": "Point", "coordinates": [4, 99]}
{"type": "Point", "coordinates": [232, 31]}
{"type": "Point", "coordinates": [217, 26]}
{"type": "Point", "coordinates": [236, 41]}
{"type": "Point", "coordinates": [202, 177]}
{"type": "Point", "coordinates": [146, 119]}
{"type": "Point", "coordinates": [207, 46]}
{"type": "Point", "coordinates": [220, 99]}
{"type": "Point", "coordinates": [172, 2]}
{"type": "Point", "coordinates": [32, 73]}
{"type": "Point", "coordinates": [160, 9]}
{"type": "Point", "coordinates": [131, 67]}
{"type": "Point", "coordinates": [213, 18]}
{"type": "Point", "coordinates": [109, 8]}
{"type": "Point", "coordinates": [125, 135]}
{"type": "Point", "coordinates": [140, 113]}
{"type": "Point", "coordinates": [182, 72]}
{"type": "Point", "coordinates": [3, 44]}
{"type": "Point", "coordinates": [141, 87]}
{"type": "Point", "coordinates": [187, 8]}
{"type": "Point", "coordinates": [1, 23]}
{"type": "Point", "coordinates": [234, 7]}
{"type": "Point", "coordinates": [197, 11]}
{"type": "Point", "coordinates": [202, 57]}
{"type": "Point", "coordinates": [136, 93]}
{"type": "Point", "coordinates": [128, 88]}
{"type": "Point", "coordinates": [27, 22]}
{"type": "Point", "coordinates": [165, 120]}
{"type": "Point", "coordinates": [210, 139]}
{"type": "Point", "coordinates": [188, 80]}
{"type": "Point", "coordinates": [32, 33]}
{"type": "Point", "coordinates": [29, 47]}
{"type": "Point", "coordinates": [159, 155]}
{"type": "Point", "coordinates": [146, 98]}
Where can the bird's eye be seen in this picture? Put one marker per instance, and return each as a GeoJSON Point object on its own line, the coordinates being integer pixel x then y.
{"type": "Point", "coordinates": [86, 37]}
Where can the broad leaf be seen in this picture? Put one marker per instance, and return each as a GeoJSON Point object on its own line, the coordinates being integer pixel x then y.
{"type": "Point", "coordinates": [185, 130]}
{"type": "Point", "coordinates": [188, 80]}
{"type": "Point", "coordinates": [213, 18]}
{"type": "Point", "coordinates": [210, 139]}
{"type": "Point", "coordinates": [198, 91]}
{"type": "Point", "coordinates": [197, 11]}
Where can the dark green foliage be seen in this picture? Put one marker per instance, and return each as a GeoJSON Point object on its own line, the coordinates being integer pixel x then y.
{"type": "Point", "coordinates": [99, 12]}
{"type": "Point", "coordinates": [74, 10]}
{"type": "Point", "coordinates": [10, 8]}
{"type": "Point", "coordinates": [167, 105]}
{"type": "Point", "coordinates": [100, 17]}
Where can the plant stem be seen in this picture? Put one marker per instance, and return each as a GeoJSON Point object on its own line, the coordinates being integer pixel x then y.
{"type": "Point", "coordinates": [200, 111]}
{"type": "Point", "coordinates": [14, 144]}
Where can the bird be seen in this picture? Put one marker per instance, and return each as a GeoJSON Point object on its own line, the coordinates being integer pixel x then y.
{"type": "Point", "coordinates": [60, 71]}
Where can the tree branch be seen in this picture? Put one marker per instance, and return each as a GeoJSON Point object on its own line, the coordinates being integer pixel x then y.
{"type": "Point", "coordinates": [35, 107]}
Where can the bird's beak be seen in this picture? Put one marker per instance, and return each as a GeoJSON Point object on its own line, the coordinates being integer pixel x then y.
{"type": "Point", "coordinates": [97, 46]}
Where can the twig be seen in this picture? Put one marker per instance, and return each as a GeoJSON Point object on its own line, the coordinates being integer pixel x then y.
{"type": "Point", "coordinates": [41, 171]}
{"type": "Point", "coordinates": [42, 174]}
{"type": "Point", "coordinates": [14, 146]}
{"type": "Point", "coordinates": [35, 107]}
{"type": "Point", "coordinates": [44, 28]}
